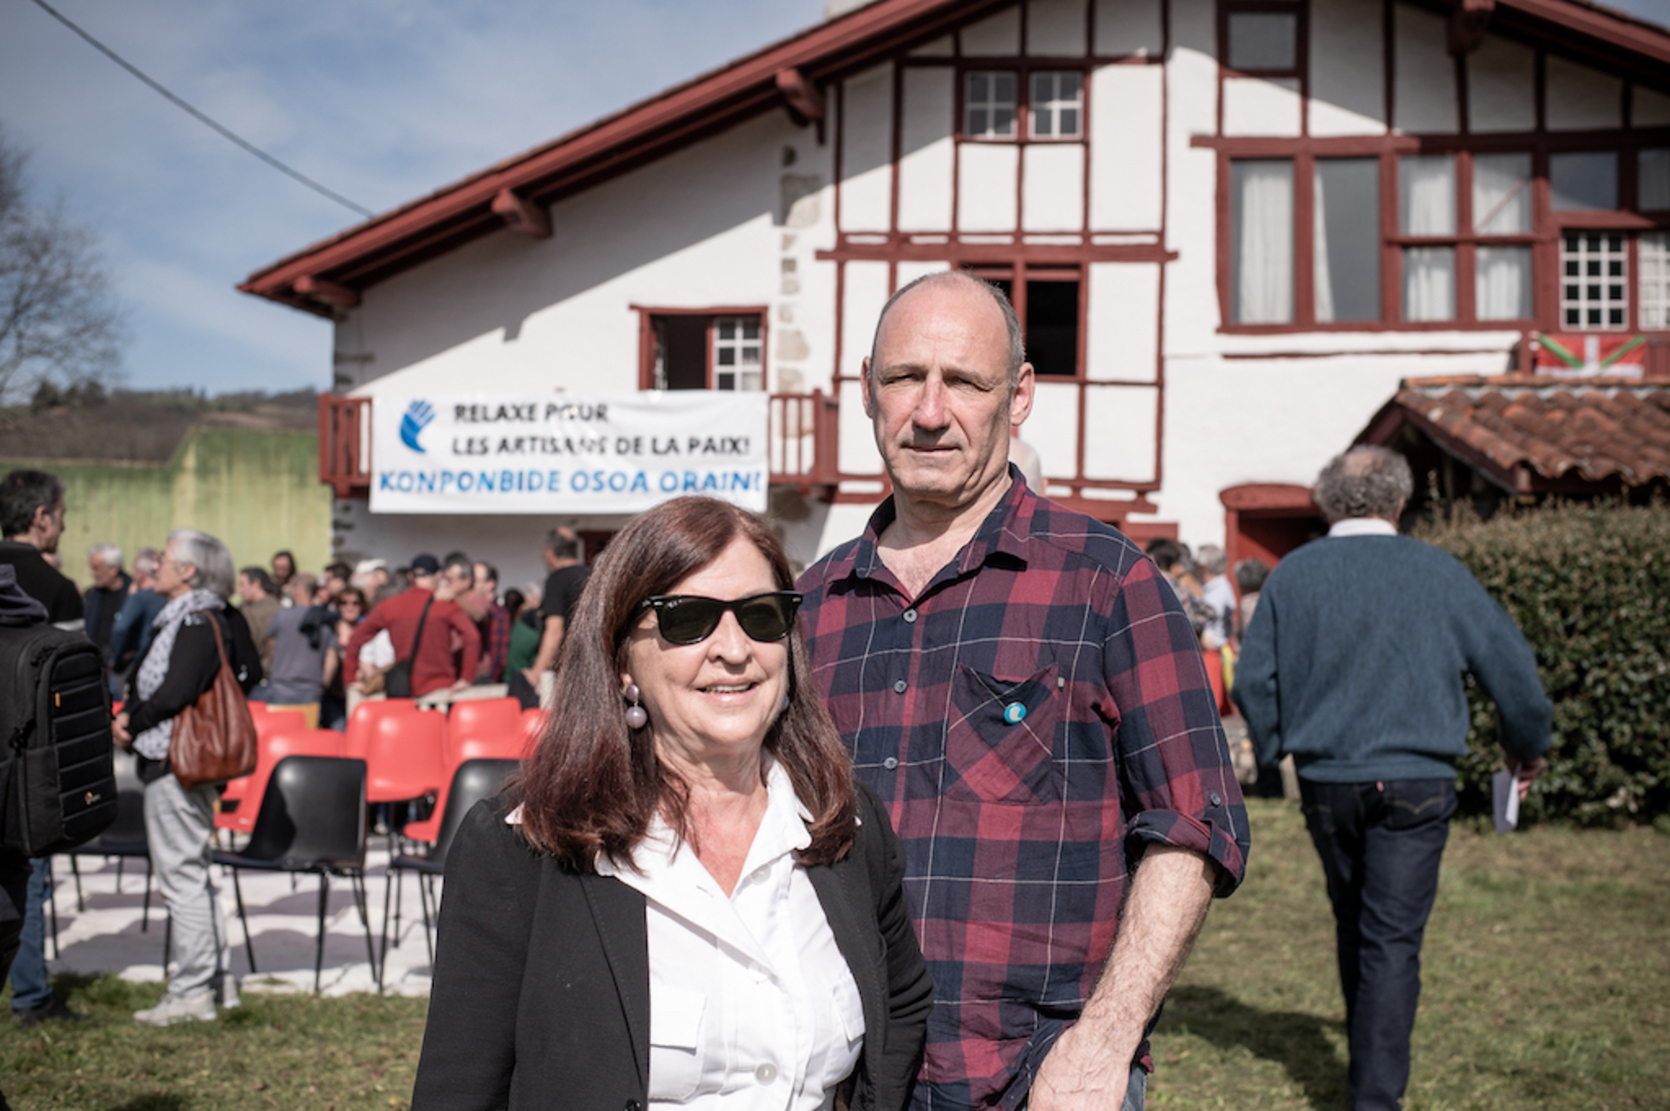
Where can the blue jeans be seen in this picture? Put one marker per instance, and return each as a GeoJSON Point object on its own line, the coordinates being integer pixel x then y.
{"type": "Point", "coordinates": [30, 987]}
{"type": "Point", "coordinates": [1380, 844]}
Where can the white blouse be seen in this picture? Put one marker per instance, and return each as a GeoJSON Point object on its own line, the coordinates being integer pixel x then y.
{"type": "Point", "coordinates": [751, 1003]}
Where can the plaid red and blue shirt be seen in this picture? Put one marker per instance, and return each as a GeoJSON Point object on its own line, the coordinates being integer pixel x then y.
{"type": "Point", "coordinates": [1033, 719]}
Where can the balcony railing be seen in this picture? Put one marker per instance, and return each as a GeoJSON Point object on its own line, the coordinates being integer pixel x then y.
{"type": "Point", "coordinates": [801, 441]}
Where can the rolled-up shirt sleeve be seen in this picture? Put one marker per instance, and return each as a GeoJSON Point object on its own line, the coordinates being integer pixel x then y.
{"type": "Point", "coordinates": [1176, 774]}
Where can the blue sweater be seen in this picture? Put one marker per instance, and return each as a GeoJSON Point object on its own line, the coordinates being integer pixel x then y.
{"type": "Point", "coordinates": [1354, 659]}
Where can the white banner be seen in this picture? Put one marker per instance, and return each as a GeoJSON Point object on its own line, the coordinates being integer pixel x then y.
{"type": "Point", "coordinates": [566, 453]}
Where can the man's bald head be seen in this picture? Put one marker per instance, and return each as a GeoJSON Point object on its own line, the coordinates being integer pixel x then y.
{"type": "Point", "coordinates": [944, 278]}
{"type": "Point", "coordinates": [1366, 481]}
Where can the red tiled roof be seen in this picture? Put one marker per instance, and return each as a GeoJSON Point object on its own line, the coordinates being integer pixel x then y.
{"type": "Point", "coordinates": [1522, 428]}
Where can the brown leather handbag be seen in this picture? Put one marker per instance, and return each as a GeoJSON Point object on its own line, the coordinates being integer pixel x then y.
{"type": "Point", "coordinates": [214, 738]}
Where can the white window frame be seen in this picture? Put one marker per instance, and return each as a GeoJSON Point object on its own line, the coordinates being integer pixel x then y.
{"type": "Point", "coordinates": [1050, 99]}
{"type": "Point", "coordinates": [991, 105]}
{"type": "Point", "coordinates": [746, 370]}
{"type": "Point", "coordinates": [1607, 258]}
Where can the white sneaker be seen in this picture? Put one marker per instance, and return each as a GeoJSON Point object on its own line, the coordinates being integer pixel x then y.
{"type": "Point", "coordinates": [175, 1008]}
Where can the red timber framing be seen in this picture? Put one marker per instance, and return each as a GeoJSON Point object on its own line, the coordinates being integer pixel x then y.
{"type": "Point", "coordinates": [786, 76]}
{"type": "Point", "coordinates": [1639, 53]}
{"type": "Point", "coordinates": [646, 337]}
{"type": "Point", "coordinates": [802, 431]}
{"type": "Point", "coordinates": [1019, 256]}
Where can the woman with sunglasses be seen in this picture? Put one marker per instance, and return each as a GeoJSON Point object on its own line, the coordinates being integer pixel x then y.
{"type": "Point", "coordinates": [684, 900]}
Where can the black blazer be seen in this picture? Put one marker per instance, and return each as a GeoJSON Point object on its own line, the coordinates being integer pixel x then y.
{"type": "Point", "coordinates": [541, 986]}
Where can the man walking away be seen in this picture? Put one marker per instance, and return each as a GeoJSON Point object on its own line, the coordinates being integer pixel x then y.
{"type": "Point", "coordinates": [1354, 665]}
{"type": "Point", "coordinates": [1024, 691]}
{"type": "Point", "coordinates": [32, 520]}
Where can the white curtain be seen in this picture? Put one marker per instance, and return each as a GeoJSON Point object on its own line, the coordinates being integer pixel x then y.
{"type": "Point", "coordinates": [1263, 279]}
{"type": "Point", "coordinates": [1426, 206]}
{"type": "Point", "coordinates": [1426, 194]}
{"type": "Point", "coordinates": [1323, 283]}
{"type": "Point", "coordinates": [1502, 194]}
{"type": "Point", "coordinates": [1503, 288]}
{"type": "Point", "coordinates": [1429, 283]}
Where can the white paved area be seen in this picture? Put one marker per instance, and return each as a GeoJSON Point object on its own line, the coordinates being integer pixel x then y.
{"type": "Point", "coordinates": [109, 936]}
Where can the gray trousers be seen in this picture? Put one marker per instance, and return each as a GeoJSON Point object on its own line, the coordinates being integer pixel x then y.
{"type": "Point", "coordinates": [179, 824]}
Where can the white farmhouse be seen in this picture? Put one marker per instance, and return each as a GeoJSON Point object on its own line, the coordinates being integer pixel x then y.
{"type": "Point", "coordinates": [1231, 228]}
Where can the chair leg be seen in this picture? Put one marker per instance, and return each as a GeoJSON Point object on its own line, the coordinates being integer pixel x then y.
{"type": "Point", "coordinates": [362, 902]}
{"type": "Point", "coordinates": [167, 941]}
{"type": "Point", "coordinates": [319, 948]}
{"type": "Point", "coordinates": [383, 959]}
{"type": "Point", "coordinates": [119, 862]}
{"type": "Point", "coordinates": [75, 869]}
{"type": "Point", "coordinates": [238, 893]}
{"type": "Point", "coordinates": [399, 893]}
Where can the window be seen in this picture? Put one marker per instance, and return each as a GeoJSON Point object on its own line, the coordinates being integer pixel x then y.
{"type": "Point", "coordinates": [1263, 41]}
{"type": "Point", "coordinates": [1502, 206]}
{"type": "Point", "coordinates": [1048, 307]}
{"type": "Point", "coordinates": [989, 106]}
{"type": "Point", "coordinates": [704, 351]}
{"type": "Point", "coordinates": [1057, 107]}
{"type": "Point", "coordinates": [736, 353]}
{"type": "Point", "coordinates": [1653, 255]}
{"type": "Point", "coordinates": [1426, 207]}
{"type": "Point", "coordinates": [1594, 280]}
{"type": "Point", "coordinates": [1347, 239]}
{"type": "Point", "coordinates": [1261, 243]}
{"type": "Point", "coordinates": [1583, 179]}
{"type": "Point", "coordinates": [1652, 179]}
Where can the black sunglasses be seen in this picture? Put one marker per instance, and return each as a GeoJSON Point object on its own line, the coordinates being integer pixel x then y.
{"type": "Point", "coordinates": [691, 619]}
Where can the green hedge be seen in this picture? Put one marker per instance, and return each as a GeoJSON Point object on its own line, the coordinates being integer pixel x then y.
{"type": "Point", "coordinates": [1590, 586]}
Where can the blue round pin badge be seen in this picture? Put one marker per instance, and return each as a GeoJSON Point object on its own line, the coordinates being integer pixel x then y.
{"type": "Point", "coordinates": [1014, 713]}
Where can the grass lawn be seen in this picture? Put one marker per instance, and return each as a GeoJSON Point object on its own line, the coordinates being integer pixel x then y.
{"type": "Point", "coordinates": [1546, 976]}
{"type": "Point", "coordinates": [1547, 969]}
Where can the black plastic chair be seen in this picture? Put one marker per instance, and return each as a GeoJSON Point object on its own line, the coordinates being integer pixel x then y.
{"type": "Point", "coordinates": [124, 840]}
{"type": "Point", "coordinates": [312, 819]}
{"type": "Point", "coordinates": [473, 781]}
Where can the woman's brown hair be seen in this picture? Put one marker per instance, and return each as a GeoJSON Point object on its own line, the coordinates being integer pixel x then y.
{"type": "Point", "coordinates": [592, 784]}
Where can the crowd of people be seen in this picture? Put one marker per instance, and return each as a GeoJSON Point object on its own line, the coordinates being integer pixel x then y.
{"type": "Point", "coordinates": [934, 825]}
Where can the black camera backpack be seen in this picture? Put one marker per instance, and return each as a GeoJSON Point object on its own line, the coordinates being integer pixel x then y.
{"type": "Point", "coordinates": [57, 770]}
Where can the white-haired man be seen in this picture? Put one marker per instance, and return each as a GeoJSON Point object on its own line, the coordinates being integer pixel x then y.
{"type": "Point", "coordinates": [1353, 664]}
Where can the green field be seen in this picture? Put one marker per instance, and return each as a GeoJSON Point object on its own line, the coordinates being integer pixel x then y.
{"type": "Point", "coordinates": [1547, 973]}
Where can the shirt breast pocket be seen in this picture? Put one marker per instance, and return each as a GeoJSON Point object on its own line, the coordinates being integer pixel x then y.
{"type": "Point", "coordinates": [675, 1042]}
{"type": "Point", "coordinates": [1000, 741]}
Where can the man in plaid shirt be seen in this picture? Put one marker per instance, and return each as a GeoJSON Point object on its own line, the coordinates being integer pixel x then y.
{"type": "Point", "coordinates": [1022, 687]}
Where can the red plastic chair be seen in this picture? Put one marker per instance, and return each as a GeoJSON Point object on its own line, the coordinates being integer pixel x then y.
{"type": "Point", "coordinates": [364, 722]}
{"type": "Point", "coordinates": [480, 717]}
{"type": "Point", "coordinates": [405, 755]}
{"type": "Point", "coordinates": [533, 724]}
{"type": "Point", "coordinates": [268, 723]}
{"type": "Point", "coordinates": [273, 747]}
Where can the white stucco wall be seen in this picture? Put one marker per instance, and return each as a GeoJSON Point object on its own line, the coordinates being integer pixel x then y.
{"type": "Point", "coordinates": [715, 225]}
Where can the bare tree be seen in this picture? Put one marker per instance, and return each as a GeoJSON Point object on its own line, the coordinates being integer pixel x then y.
{"type": "Point", "coordinates": [59, 321]}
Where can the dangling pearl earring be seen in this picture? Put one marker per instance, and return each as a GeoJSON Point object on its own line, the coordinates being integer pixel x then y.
{"type": "Point", "coordinates": [636, 716]}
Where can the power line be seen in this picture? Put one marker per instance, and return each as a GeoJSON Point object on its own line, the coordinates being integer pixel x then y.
{"type": "Point", "coordinates": [200, 117]}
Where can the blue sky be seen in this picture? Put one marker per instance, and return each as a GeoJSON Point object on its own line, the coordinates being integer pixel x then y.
{"type": "Point", "coordinates": [381, 100]}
